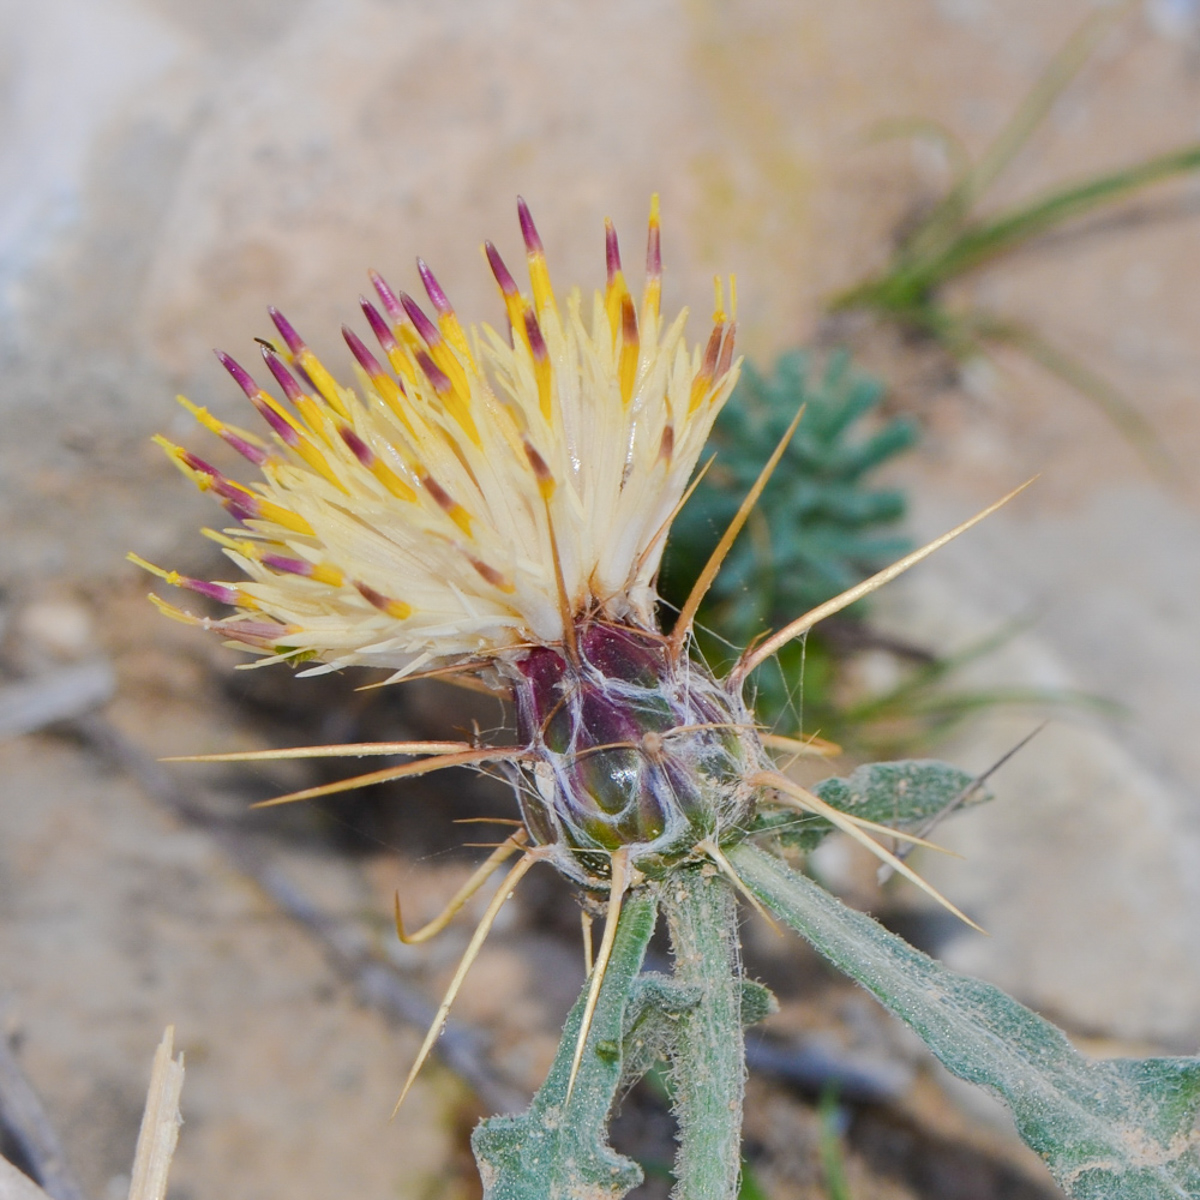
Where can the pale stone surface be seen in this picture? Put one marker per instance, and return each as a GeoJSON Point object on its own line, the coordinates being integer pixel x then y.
{"type": "Point", "coordinates": [1084, 868]}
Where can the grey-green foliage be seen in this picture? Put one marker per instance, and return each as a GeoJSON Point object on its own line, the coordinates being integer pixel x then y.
{"type": "Point", "coordinates": [903, 795]}
{"type": "Point", "coordinates": [559, 1148]}
{"type": "Point", "coordinates": [1113, 1129]}
{"type": "Point", "coordinates": [819, 526]}
{"type": "Point", "coordinates": [758, 1002]}
{"type": "Point", "coordinates": [708, 1054]}
{"type": "Point", "coordinates": [656, 1002]}
{"type": "Point", "coordinates": [553, 1150]}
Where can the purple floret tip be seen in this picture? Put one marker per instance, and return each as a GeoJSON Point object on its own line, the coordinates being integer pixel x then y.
{"type": "Point", "coordinates": [436, 376]}
{"type": "Point", "coordinates": [255, 454]}
{"type": "Point", "coordinates": [285, 431]}
{"type": "Point", "coordinates": [533, 331]}
{"type": "Point", "coordinates": [504, 278]}
{"type": "Point", "coordinates": [437, 297]}
{"type": "Point", "coordinates": [283, 377]}
{"type": "Point", "coordinates": [198, 464]}
{"type": "Point", "coordinates": [240, 375]}
{"type": "Point", "coordinates": [240, 510]}
{"type": "Point", "coordinates": [292, 566]}
{"type": "Point", "coordinates": [294, 342]}
{"type": "Point", "coordinates": [379, 327]}
{"type": "Point", "coordinates": [654, 253]}
{"type": "Point", "coordinates": [425, 327]}
{"type": "Point", "coordinates": [612, 251]}
{"type": "Point", "coordinates": [365, 358]}
{"type": "Point", "coordinates": [387, 297]}
{"type": "Point", "coordinates": [533, 243]}
{"type": "Point", "coordinates": [220, 592]}
{"type": "Point", "coordinates": [357, 446]}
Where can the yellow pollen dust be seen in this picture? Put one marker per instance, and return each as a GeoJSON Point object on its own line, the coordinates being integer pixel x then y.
{"type": "Point", "coordinates": [219, 427]}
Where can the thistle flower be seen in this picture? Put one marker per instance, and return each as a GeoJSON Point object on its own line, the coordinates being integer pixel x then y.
{"type": "Point", "coordinates": [495, 507]}
{"type": "Point", "coordinates": [498, 506]}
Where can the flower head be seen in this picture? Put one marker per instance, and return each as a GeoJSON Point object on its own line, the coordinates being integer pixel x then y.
{"type": "Point", "coordinates": [475, 494]}
{"type": "Point", "coordinates": [500, 504]}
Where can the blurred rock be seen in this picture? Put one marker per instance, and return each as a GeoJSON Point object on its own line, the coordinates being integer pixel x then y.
{"type": "Point", "coordinates": [1085, 869]}
{"type": "Point", "coordinates": [171, 168]}
{"type": "Point", "coordinates": [58, 627]}
{"type": "Point", "coordinates": [57, 695]}
{"type": "Point", "coordinates": [117, 921]}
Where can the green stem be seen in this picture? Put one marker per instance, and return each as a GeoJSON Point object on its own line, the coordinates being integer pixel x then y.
{"type": "Point", "coordinates": [709, 1059]}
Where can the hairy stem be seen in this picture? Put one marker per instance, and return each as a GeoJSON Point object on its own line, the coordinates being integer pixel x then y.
{"type": "Point", "coordinates": [709, 1059]}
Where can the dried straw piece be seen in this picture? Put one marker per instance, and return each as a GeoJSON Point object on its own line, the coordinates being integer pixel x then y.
{"type": "Point", "coordinates": [160, 1123]}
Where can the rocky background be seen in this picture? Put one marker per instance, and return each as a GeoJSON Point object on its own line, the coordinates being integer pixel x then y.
{"type": "Point", "coordinates": [170, 167]}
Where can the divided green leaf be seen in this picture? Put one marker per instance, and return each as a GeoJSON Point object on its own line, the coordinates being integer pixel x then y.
{"type": "Point", "coordinates": [656, 1002]}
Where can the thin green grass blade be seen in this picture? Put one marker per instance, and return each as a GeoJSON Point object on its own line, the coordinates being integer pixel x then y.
{"type": "Point", "coordinates": [907, 287]}
{"type": "Point", "coordinates": [981, 242]}
{"type": "Point", "coordinates": [939, 229]}
{"type": "Point", "coordinates": [833, 1157]}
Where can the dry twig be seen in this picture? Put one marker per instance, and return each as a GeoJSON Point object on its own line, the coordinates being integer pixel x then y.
{"type": "Point", "coordinates": [24, 1119]}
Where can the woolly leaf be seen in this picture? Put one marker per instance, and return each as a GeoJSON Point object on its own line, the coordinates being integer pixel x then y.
{"type": "Point", "coordinates": [758, 1002]}
{"type": "Point", "coordinates": [656, 1002]}
{"type": "Point", "coordinates": [901, 794]}
{"type": "Point", "coordinates": [1109, 1129]}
